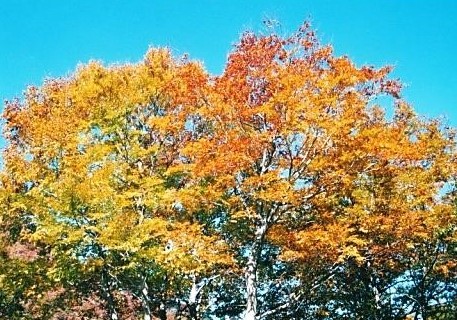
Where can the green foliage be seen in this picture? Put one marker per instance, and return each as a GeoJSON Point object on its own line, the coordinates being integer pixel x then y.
{"type": "Point", "coordinates": [276, 190]}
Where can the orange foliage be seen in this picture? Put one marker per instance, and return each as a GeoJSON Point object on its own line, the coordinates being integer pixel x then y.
{"type": "Point", "coordinates": [288, 142]}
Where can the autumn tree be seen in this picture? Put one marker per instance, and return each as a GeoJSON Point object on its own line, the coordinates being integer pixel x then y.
{"type": "Point", "coordinates": [300, 158]}
{"type": "Point", "coordinates": [166, 189]}
{"type": "Point", "coordinates": [89, 166]}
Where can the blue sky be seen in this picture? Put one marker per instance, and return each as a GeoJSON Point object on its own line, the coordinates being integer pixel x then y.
{"type": "Point", "coordinates": [48, 38]}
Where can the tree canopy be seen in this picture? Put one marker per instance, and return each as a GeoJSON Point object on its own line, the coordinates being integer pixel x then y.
{"type": "Point", "coordinates": [282, 188]}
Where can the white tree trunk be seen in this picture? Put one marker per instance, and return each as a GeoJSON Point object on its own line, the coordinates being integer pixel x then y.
{"type": "Point", "coordinates": [146, 301]}
{"type": "Point", "coordinates": [251, 288]}
{"type": "Point", "coordinates": [251, 273]}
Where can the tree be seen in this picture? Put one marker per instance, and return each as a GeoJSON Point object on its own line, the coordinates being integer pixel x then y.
{"type": "Point", "coordinates": [89, 163]}
{"type": "Point", "coordinates": [151, 180]}
{"type": "Point", "coordinates": [301, 159]}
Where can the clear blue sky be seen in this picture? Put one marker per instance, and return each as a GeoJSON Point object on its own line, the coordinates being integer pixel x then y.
{"type": "Point", "coordinates": [48, 38]}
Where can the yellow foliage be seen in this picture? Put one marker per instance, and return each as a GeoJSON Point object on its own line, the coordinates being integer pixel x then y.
{"type": "Point", "coordinates": [138, 159]}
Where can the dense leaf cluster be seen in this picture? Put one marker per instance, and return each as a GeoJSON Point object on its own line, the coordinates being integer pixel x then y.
{"type": "Point", "coordinates": [279, 189]}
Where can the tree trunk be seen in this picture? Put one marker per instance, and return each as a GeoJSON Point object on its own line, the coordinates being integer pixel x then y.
{"type": "Point", "coordinates": [146, 301]}
{"type": "Point", "coordinates": [162, 311]}
{"type": "Point", "coordinates": [192, 304]}
{"type": "Point", "coordinates": [107, 292]}
{"type": "Point", "coordinates": [111, 305]}
{"type": "Point", "coordinates": [251, 288]}
{"type": "Point", "coordinates": [251, 272]}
